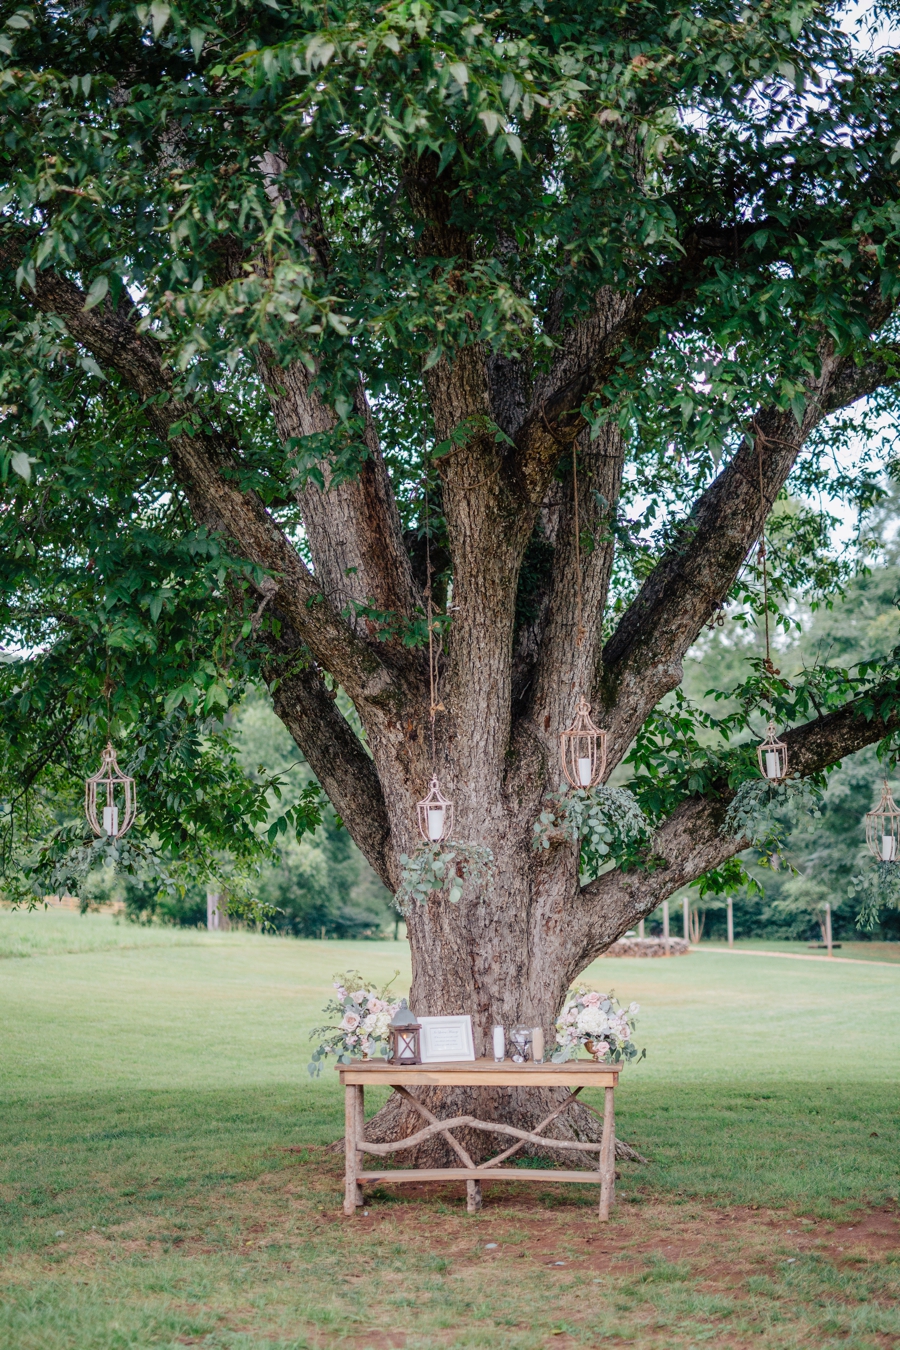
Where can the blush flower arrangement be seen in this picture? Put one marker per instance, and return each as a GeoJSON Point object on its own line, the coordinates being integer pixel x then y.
{"type": "Point", "coordinates": [599, 1023]}
{"type": "Point", "coordinates": [363, 1017]}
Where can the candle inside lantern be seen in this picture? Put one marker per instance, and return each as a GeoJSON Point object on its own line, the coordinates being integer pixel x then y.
{"type": "Point", "coordinates": [499, 1045]}
{"type": "Point", "coordinates": [435, 823]}
{"type": "Point", "coordinates": [537, 1044]}
{"type": "Point", "coordinates": [773, 768]}
{"type": "Point", "coordinates": [111, 819]}
{"type": "Point", "coordinates": [888, 848]}
{"type": "Point", "coordinates": [584, 770]}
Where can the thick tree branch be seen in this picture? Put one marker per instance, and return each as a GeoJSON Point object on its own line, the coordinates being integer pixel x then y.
{"type": "Point", "coordinates": [204, 464]}
{"type": "Point", "coordinates": [690, 842]}
{"type": "Point", "coordinates": [337, 758]}
{"type": "Point", "coordinates": [642, 661]}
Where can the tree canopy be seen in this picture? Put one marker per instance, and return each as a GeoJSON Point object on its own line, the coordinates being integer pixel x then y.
{"type": "Point", "coordinates": [292, 290]}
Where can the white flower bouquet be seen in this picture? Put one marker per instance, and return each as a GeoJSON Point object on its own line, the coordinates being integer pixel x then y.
{"type": "Point", "coordinates": [363, 1019]}
{"type": "Point", "coordinates": [599, 1023]}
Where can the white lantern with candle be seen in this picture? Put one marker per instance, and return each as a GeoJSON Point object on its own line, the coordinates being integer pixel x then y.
{"type": "Point", "coordinates": [118, 811]}
{"type": "Point", "coordinates": [582, 750]}
{"type": "Point", "coordinates": [435, 815]}
{"type": "Point", "coordinates": [883, 827]}
{"type": "Point", "coordinates": [772, 756]}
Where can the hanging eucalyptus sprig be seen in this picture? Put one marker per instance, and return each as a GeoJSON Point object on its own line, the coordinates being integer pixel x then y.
{"type": "Point", "coordinates": [441, 867]}
{"type": "Point", "coordinates": [764, 813]}
{"type": "Point", "coordinates": [876, 889]}
{"type": "Point", "coordinates": [604, 821]}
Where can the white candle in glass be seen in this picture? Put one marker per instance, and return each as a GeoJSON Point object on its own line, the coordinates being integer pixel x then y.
{"type": "Point", "coordinates": [584, 770]}
{"type": "Point", "coordinates": [888, 848]}
{"type": "Point", "coordinates": [499, 1045]}
{"type": "Point", "coordinates": [773, 769]}
{"type": "Point", "coordinates": [111, 819]}
{"type": "Point", "coordinates": [435, 822]}
{"type": "Point", "coordinates": [537, 1044]}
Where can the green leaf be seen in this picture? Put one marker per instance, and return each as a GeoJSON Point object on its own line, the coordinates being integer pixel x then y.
{"type": "Point", "coordinates": [159, 16]}
{"type": "Point", "coordinates": [98, 291]}
{"type": "Point", "coordinates": [21, 463]}
{"type": "Point", "coordinates": [197, 39]}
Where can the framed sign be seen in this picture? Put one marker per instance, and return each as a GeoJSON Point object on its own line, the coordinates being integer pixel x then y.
{"type": "Point", "coordinates": [446, 1039]}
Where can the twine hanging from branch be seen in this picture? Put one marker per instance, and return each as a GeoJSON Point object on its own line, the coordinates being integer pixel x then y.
{"type": "Point", "coordinates": [770, 668]}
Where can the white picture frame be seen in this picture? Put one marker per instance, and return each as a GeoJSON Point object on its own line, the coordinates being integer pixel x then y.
{"type": "Point", "coordinates": [446, 1040]}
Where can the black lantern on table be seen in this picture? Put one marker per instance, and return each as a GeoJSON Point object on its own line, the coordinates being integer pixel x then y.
{"type": "Point", "coordinates": [405, 1033]}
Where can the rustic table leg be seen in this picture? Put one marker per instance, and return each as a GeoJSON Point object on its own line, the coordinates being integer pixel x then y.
{"type": "Point", "coordinates": [350, 1184]}
{"type": "Point", "coordinates": [473, 1196]}
{"type": "Point", "coordinates": [608, 1156]}
{"type": "Point", "coordinates": [360, 1134]}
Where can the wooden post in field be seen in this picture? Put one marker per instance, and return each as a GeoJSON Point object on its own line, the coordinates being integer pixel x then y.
{"type": "Point", "coordinates": [686, 904]}
{"type": "Point", "coordinates": [828, 928]}
{"type": "Point", "coordinates": [730, 917]}
{"type": "Point", "coordinates": [666, 927]}
{"type": "Point", "coordinates": [641, 929]}
{"type": "Point", "coordinates": [216, 913]}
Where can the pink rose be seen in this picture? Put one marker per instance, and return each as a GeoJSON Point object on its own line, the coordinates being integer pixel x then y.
{"type": "Point", "coordinates": [350, 1022]}
{"type": "Point", "coordinates": [592, 997]}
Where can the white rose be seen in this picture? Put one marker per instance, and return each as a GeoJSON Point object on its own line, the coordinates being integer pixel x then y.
{"type": "Point", "coordinates": [593, 1022]}
{"type": "Point", "coordinates": [349, 1022]}
{"type": "Point", "coordinates": [360, 996]}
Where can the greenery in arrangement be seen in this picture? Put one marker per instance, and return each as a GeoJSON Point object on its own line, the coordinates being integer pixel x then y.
{"type": "Point", "coordinates": [442, 868]}
{"type": "Point", "coordinates": [764, 813]}
{"type": "Point", "coordinates": [605, 823]}
{"type": "Point", "coordinates": [875, 890]}
{"type": "Point", "coordinates": [362, 1030]}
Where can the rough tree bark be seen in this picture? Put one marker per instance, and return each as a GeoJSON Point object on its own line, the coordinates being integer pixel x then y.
{"type": "Point", "coordinates": [508, 951]}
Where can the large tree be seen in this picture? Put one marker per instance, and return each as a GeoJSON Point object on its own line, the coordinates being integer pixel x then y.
{"type": "Point", "coordinates": [314, 316]}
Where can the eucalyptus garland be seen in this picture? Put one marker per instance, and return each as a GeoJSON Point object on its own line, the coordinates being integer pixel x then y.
{"type": "Point", "coordinates": [434, 868]}
{"type": "Point", "coordinates": [602, 820]}
{"type": "Point", "coordinates": [765, 813]}
{"type": "Point", "coordinates": [877, 889]}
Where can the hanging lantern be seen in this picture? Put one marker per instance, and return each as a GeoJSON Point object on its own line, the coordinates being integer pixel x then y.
{"type": "Point", "coordinates": [883, 828]}
{"type": "Point", "coordinates": [435, 815]}
{"type": "Point", "coordinates": [405, 1032]}
{"type": "Point", "coordinates": [772, 756]}
{"type": "Point", "coordinates": [117, 812]}
{"type": "Point", "coordinates": [582, 749]}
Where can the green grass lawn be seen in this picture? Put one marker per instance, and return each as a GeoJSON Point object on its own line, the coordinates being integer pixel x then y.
{"type": "Point", "coordinates": [163, 1180]}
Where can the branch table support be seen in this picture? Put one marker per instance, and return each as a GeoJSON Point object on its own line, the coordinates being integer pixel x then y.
{"type": "Point", "coordinates": [575, 1075]}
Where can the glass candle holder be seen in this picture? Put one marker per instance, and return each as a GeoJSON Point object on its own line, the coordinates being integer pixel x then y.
{"type": "Point", "coordinates": [520, 1044]}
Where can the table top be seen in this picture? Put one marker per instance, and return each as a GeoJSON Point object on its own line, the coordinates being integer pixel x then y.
{"type": "Point", "coordinates": [481, 1073]}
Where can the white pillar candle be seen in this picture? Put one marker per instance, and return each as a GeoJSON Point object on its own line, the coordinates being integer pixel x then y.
{"type": "Point", "coordinates": [499, 1045]}
{"type": "Point", "coordinates": [111, 819]}
{"type": "Point", "coordinates": [584, 770]}
{"type": "Point", "coordinates": [888, 848]}
{"type": "Point", "coordinates": [773, 768]}
{"type": "Point", "coordinates": [537, 1044]}
{"type": "Point", "coordinates": [435, 823]}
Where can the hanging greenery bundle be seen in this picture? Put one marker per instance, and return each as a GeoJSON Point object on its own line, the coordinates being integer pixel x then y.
{"type": "Point", "coordinates": [434, 868]}
{"type": "Point", "coordinates": [604, 821]}
{"type": "Point", "coordinates": [764, 812]}
{"type": "Point", "coordinates": [876, 889]}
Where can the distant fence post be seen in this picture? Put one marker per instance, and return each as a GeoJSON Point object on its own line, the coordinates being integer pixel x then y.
{"type": "Point", "coordinates": [216, 913]}
{"type": "Point", "coordinates": [686, 904]}
{"type": "Point", "coordinates": [730, 922]}
{"type": "Point", "coordinates": [641, 929]}
{"type": "Point", "coordinates": [828, 927]}
{"type": "Point", "coordinates": [666, 928]}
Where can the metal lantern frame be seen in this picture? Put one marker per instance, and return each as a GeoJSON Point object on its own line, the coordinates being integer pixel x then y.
{"type": "Point", "coordinates": [772, 746]}
{"type": "Point", "coordinates": [583, 741]}
{"type": "Point", "coordinates": [117, 784]}
{"type": "Point", "coordinates": [429, 806]}
{"type": "Point", "coordinates": [406, 1034]}
{"type": "Point", "coordinates": [883, 828]}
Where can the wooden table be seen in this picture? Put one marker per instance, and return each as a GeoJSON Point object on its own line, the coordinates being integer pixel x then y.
{"type": "Point", "coordinates": [576, 1074]}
